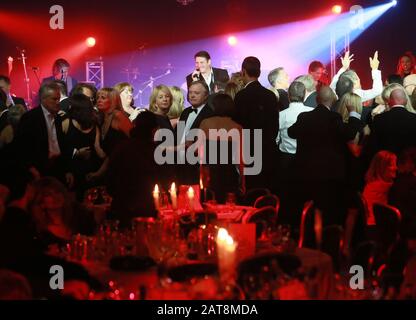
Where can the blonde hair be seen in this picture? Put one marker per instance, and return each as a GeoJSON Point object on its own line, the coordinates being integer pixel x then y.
{"type": "Point", "coordinates": [385, 94]}
{"type": "Point", "coordinates": [178, 101]}
{"type": "Point", "coordinates": [114, 97]}
{"type": "Point", "coordinates": [237, 78]}
{"type": "Point", "coordinates": [232, 88]}
{"type": "Point", "coordinates": [155, 92]}
{"type": "Point", "coordinates": [378, 166]}
{"type": "Point", "coordinates": [349, 99]}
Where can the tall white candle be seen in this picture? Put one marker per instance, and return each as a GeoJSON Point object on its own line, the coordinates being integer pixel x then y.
{"type": "Point", "coordinates": [226, 249]}
{"type": "Point", "coordinates": [156, 194]}
{"type": "Point", "coordinates": [191, 196]}
{"type": "Point", "coordinates": [173, 196]}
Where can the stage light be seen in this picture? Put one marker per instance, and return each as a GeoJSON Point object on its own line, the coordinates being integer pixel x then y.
{"type": "Point", "coordinates": [337, 9]}
{"type": "Point", "coordinates": [394, 3]}
{"type": "Point", "coordinates": [90, 42]}
{"type": "Point", "coordinates": [232, 40]}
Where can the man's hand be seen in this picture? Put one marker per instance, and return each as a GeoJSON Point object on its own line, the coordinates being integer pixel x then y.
{"type": "Point", "coordinates": [346, 60]}
{"type": "Point", "coordinates": [374, 62]}
{"type": "Point", "coordinates": [84, 153]}
{"type": "Point", "coordinates": [195, 75]}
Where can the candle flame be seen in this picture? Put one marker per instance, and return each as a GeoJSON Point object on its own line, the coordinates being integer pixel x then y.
{"type": "Point", "coordinates": [222, 234]}
{"type": "Point", "coordinates": [173, 187]}
{"type": "Point", "coordinates": [201, 184]}
{"type": "Point", "coordinates": [191, 192]}
{"type": "Point", "coordinates": [156, 188]}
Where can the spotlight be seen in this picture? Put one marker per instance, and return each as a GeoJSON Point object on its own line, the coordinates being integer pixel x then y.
{"type": "Point", "coordinates": [232, 41]}
{"type": "Point", "coordinates": [337, 9]}
{"type": "Point", "coordinates": [90, 42]}
{"type": "Point", "coordinates": [394, 3]}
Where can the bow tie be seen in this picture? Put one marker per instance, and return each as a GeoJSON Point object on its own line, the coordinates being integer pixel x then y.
{"type": "Point", "coordinates": [194, 110]}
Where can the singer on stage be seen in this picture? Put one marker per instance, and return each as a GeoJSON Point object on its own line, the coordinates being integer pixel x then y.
{"type": "Point", "coordinates": [60, 71]}
{"type": "Point", "coordinates": [205, 72]}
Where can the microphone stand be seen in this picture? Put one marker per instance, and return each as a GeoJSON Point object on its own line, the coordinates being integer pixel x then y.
{"type": "Point", "coordinates": [149, 84]}
{"type": "Point", "coordinates": [35, 71]}
{"type": "Point", "coordinates": [27, 80]}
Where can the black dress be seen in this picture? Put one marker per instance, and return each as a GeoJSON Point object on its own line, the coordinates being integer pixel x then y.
{"type": "Point", "coordinates": [166, 172]}
{"type": "Point", "coordinates": [111, 140]}
{"type": "Point", "coordinates": [77, 139]}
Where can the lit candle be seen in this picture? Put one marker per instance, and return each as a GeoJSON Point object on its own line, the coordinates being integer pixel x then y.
{"type": "Point", "coordinates": [173, 196]}
{"type": "Point", "coordinates": [156, 194]}
{"type": "Point", "coordinates": [191, 195]}
{"type": "Point", "coordinates": [226, 248]}
{"type": "Point", "coordinates": [201, 187]}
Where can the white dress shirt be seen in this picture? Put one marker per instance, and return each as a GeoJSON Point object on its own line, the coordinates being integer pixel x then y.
{"type": "Point", "coordinates": [364, 94]}
{"type": "Point", "coordinates": [287, 118]}
{"type": "Point", "coordinates": [54, 149]}
{"type": "Point", "coordinates": [209, 78]}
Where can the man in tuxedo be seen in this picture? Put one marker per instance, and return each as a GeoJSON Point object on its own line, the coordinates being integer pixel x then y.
{"type": "Point", "coordinates": [279, 80]}
{"type": "Point", "coordinates": [393, 130]}
{"type": "Point", "coordinates": [60, 71]}
{"type": "Point", "coordinates": [39, 141]}
{"type": "Point", "coordinates": [191, 118]}
{"type": "Point", "coordinates": [320, 162]}
{"type": "Point", "coordinates": [205, 72]}
{"type": "Point", "coordinates": [11, 99]}
{"type": "Point", "coordinates": [256, 108]}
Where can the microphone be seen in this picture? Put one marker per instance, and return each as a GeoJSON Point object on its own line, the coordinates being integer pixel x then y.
{"type": "Point", "coordinates": [195, 75]}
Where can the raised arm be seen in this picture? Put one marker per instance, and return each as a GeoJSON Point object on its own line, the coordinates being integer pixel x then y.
{"type": "Point", "coordinates": [345, 61]}
{"type": "Point", "coordinates": [377, 81]}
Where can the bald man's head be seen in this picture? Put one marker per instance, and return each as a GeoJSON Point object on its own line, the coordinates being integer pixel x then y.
{"type": "Point", "coordinates": [326, 96]}
{"type": "Point", "coordinates": [398, 97]}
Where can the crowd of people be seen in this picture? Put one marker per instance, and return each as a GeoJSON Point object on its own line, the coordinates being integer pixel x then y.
{"type": "Point", "coordinates": [327, 141]}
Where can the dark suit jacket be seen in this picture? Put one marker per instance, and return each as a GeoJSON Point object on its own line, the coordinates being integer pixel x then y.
{"type": "Point", "coordinates": [311, 100]}
{"type": "Point", "coordinates": [257, 108]}
{"type": "Point", "coordinates": [31, 141]}
{"type": "Point", "coordinates": [283, 102]}
{"type": "Point", "coordinates": [220, 76]}
{"type": "Point", "coordinates": [190, 173]}
{"type": "Point", "coordinates": [321, 140]}
{"type": "Point", "coordinates": [394, 130]}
